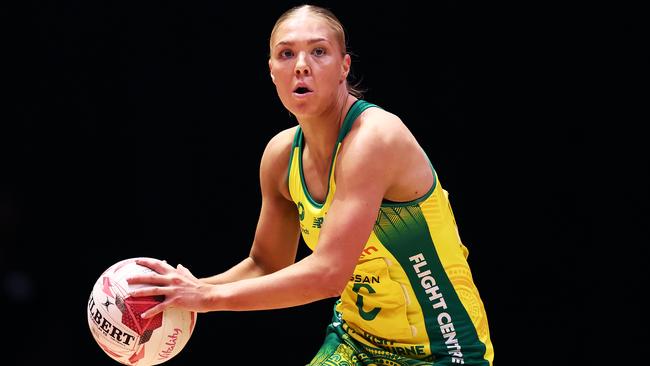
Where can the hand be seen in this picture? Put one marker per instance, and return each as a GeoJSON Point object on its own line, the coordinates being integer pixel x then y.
{"type": "Point", "coordinates": [179, 286]}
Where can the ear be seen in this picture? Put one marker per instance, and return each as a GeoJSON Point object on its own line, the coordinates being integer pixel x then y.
{"type": "Point", "coordinates": [271, 71]}
{"type": "Point", "coordinates": [345, 67]}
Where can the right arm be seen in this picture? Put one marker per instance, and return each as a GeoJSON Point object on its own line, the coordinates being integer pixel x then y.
{"type": "Point", "coordinates": [277, 234]}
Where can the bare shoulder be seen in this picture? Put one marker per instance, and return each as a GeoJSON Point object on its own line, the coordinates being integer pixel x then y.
{"type": "Point", "coordinates": [280, 144]}
{"type": "Point", "coordinates": [391, 159]}
{"type": "Point", "coordinates": [382, 132]}
{"type": "Point", "coordinates": [275, 162]}
{"type": "Point", "coordinates": [380, 115]}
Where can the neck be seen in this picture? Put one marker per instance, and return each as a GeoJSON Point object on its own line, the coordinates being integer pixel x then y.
{"type": "Point", "coordinates": [321, 133]}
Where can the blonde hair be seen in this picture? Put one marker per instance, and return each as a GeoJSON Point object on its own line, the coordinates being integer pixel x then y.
{"type": "Point", "coordinates": [332, 21]}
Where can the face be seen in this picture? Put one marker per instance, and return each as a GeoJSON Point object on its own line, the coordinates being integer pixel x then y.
{"type": "Point", "coordinates": [307, 65]}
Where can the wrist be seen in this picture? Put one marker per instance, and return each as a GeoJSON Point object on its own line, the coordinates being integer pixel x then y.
{"type": "Point", "coordinates": [212, 297]}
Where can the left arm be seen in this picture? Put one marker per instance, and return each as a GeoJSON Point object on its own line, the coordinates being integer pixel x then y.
{"type": "Point", "coordinates": [365, 170]}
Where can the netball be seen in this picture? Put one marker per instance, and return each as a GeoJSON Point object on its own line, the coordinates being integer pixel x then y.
{"type": "Point", "coordinates": [119, 330]}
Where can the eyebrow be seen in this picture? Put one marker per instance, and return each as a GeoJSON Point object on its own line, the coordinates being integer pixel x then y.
{"type": "Point", "coordinates": [289, 43]}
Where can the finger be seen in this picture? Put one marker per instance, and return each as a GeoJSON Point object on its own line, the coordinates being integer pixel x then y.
{"type": "Point", "coordinates": [149, 291]}
{"type": "Point", "coordinates": [159, 266]}
{"type": "Point", "coordinates": [154, 310]}
{"type": "Point", "coordinates": [147, 278]}
{"type": "Point", "coordinates": [184, 270]}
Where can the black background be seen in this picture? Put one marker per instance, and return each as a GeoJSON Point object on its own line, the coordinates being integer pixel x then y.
{"type": "Point", "coordinates": [136, 129]}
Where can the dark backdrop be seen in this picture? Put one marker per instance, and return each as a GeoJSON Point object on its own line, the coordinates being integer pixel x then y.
{"type": "Point", "coordinates": [138, 131]}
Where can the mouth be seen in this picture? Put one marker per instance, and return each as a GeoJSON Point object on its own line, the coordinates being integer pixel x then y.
{"type": "Point", "coordinates": [301, 90]}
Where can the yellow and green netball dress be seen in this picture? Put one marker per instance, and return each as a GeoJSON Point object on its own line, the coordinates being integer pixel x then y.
{"type": "Point", "coordinates": [411, 299]}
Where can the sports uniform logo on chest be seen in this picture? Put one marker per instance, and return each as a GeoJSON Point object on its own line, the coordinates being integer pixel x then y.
{"type": "Point", "coordinates": [315, 223]}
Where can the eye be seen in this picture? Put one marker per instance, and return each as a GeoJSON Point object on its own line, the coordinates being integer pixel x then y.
{"type": "Point", "coordinates": [319, 51]}
{"type": "Point", "coordinates": [286, 54]}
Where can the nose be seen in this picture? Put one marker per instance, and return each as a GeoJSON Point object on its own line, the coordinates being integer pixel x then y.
{"type": "Point", "coordinates": [302, 67]}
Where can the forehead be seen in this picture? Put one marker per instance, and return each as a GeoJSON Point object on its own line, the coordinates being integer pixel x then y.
{"type": "Point", "coordinates": [304, 27]}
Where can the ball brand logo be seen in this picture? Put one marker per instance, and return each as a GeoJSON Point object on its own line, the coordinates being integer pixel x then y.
{"type": "Point", "coordinates": [107, 327]}
{"type": "Point", "coordinates": [171, 344]}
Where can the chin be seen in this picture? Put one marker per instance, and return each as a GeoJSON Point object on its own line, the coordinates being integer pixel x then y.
{"type": "Point", "coordinates": [300, 106]}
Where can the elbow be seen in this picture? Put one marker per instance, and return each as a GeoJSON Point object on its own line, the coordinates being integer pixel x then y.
{"type": "Point", "coordinates": [332, 283]}
{"type": "Point", "coordinates": [332, 291]}
{"type": "Point", "coordinates": [329, 275]}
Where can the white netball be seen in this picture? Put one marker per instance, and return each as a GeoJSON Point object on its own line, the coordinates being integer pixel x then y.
{"type": "Point", "coordinates": [115, 322]}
